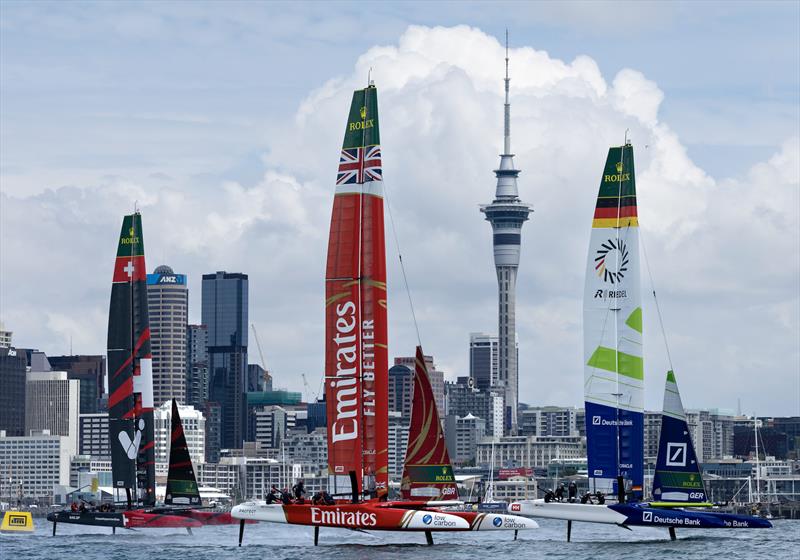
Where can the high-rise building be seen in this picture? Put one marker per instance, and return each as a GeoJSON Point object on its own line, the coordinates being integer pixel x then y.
{"type": "Point", "coordinates": [197, 366]}
{"type": "Point", "coordinates": [5, 336]}
{"type": "Point", "coordinates": [398, 442]}
{"type": "Point", "coordinates": [484, 366]}
{"type": "Point", "coordinates": [258, 379]}
{"type": "Point", "coordinates": [90, 371]}
{"type": "Point", "coordinates": [462, 436]}
{"type": "Point", "coordinates": [93, 436]}
{"type": "Point", "coordinates": [401, 390]}
{"type": "Point", "coordinates": [463, 400]}
{"type": "Point", "coordinates": [168, 308]}
{"type": "Point", "coordinates": [548, 421]}
{"type": "Point", "coordinates": [12, 391]}
{"type": "Point", "coordinates": [194, 429]}
{"type": "Point", "coordinates": [652, 433]}
{"type": "Point", "coordinates": [51, 404]}
{"type": "Point", "coordinates": [269, 426]}
{"type": "Point", "coordinates": [435, 376]}
{"type": "Point", "coordinates": [225, 313]}
{"type": "Point", "coordinates": [507, 213]}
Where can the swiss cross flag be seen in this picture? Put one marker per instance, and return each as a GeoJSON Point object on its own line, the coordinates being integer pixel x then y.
{"type": "Point", "coordinates": [128, 269]}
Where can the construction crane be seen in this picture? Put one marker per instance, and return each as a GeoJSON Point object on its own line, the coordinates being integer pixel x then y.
{"type": "Point", "coordinates": [308, 389]}
{"type": "Point", "coordinates": [260, 353]}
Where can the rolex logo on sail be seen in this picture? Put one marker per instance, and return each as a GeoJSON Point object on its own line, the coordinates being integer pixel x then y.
{"type": "Point", "coordinates": [618, 176]}
{"type": "Point", "coordinates": [363, 124]}
{"type": "Point", "coordinates": [344, 384]}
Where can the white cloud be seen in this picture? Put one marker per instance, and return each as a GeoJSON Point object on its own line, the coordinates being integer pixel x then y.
{"type": "Point", "coordinates": [723, 251]}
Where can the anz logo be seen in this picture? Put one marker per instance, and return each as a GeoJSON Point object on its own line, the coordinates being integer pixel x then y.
{"type": "Point", "coordinates": [676, 454]}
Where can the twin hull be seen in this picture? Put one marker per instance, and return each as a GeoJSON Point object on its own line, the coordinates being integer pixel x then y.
{"type": "Point", "coordinates": [378, 517]}
{"type": "Point", "coordinates": [636, 515]}
{"type": "Point", "coordinates": [140, 519]}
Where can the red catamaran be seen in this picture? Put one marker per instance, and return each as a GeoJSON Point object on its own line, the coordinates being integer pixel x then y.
{"type": "Point", "coordinates": [356, 358]}
{"type": "Point", "coordinates": [130, 406]}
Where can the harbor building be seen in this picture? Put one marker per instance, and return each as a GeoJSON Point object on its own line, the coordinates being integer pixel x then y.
{"type": "Point", "coordinates": [507, 213]}
{"type": "Point", "coordinates": [32, 465]}
{"type": "Point", "coordinates": [225, 313]}
{"type": "Point", "coordinates": [13, 366]}
{"type": "Point", "coordinates": [168, 309]}
{"type": "Point", "coordinates": [51, 405]}
{"type": "Point", "coordinates": [528, 451]}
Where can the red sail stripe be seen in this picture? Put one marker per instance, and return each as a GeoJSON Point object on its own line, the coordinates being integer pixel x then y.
{"type": "Point", "coordinates": [144, 337]}
{"type": "Point", "coordinates": [123, 391]}
{"type": "Point", "coordinates": [623, 212]}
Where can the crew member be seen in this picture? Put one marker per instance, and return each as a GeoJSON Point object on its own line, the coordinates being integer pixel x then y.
{"type": "Point", "coordinates": [560, 492]}
{"type": "Point", "coordinates": [299, 491]}
{"type": "Point", "coordinates": [572, 489]}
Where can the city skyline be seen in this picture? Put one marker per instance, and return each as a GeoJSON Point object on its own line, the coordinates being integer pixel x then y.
{"type": "Point", "coordinates": [725, 264]}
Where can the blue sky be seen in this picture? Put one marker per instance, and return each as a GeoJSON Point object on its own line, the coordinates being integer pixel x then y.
{"type": "Point", "coordinates": [223, 119]}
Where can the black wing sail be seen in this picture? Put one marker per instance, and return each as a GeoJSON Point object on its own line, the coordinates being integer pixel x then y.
{"type": "Point", "coordinates": [181, 481]}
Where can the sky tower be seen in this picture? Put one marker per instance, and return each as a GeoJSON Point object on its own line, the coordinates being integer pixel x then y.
{"type": "Point", "coordinates": [507, 213]}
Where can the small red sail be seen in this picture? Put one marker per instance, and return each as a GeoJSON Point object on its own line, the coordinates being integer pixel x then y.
{"type": "Point", "coordinates": [427, 472]}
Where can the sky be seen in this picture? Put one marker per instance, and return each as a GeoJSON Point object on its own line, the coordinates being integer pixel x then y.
{"type": "Point", "coordinates": [223, 122]}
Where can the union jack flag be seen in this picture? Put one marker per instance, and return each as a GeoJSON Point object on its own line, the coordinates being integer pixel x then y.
{"type": "Point", "coordinates": [359, 165]}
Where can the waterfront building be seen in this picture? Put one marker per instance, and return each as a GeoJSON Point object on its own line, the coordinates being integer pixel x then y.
{"type": "Point", "coordinates": [13, 365]}
{"type": "Point", "coordinates": [51, 404]}
{"type": "Point", "coordinates": [435, 376]}
{"type": "Point", "coordinates": [462, 436]}
{"type": "Point", "coordinates": [309, 449]}
{"type": "Point", "coordinates": [484, 360]}
{"type": "Point", "coordinates": [528, 451]}
{"type": "Point", "coordinates": [194, 429]}
{"type": "Point", "coordinates": [548, 421]}
{"type": "Point", "coordinates": [32, 465]}
{"type": "Point", "coordinates": [90, 371]}
{"type": "Point", "coordinates": [507, 213]}
{"type": "Point", "coordinates": [84, 468]}
{"type": "Point", "coordinates": [93, 436]}
{"type": "Point", "coordinates": [401, 391]}
{"type": "Point", "coordinates": [197, 365]}
{"type": "Point", "coordinates": [462, 399]}
{"type": "Point", "coordinates": [225, 313]}
{"type": "Point", "coordinates": [168, 309]}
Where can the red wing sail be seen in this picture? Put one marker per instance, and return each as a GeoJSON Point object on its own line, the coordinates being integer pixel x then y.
{"type": "Point", "coordinates": [130, 371]}
{"type": "Point", "coordinates": [427, 472]}
{"type": "Point", "coordinates": [356, 359]}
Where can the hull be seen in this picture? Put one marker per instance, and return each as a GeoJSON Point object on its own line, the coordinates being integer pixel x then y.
{"type": "Point", "coordinates": [368, 516]}
{"type": "Point", "coordinates": [495, 521]}
{"type": "Point", "coordinates": [636, 515]}
{"type": "Point", "coordinates": [212, 517]}
{"type": "Point", "coordinates": [93, 518]}
{"type": "Point", "coordinates": [136, 519]}
{"type": "Point", "coordinates": [590, 513]}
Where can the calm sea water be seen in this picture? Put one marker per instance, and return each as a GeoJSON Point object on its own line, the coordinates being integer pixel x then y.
{"type": "Point", "coordinates": [269, 541]}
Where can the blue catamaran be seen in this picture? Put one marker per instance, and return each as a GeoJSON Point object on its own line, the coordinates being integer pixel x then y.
{"type": "Point", "coordinates": [614, 388]}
